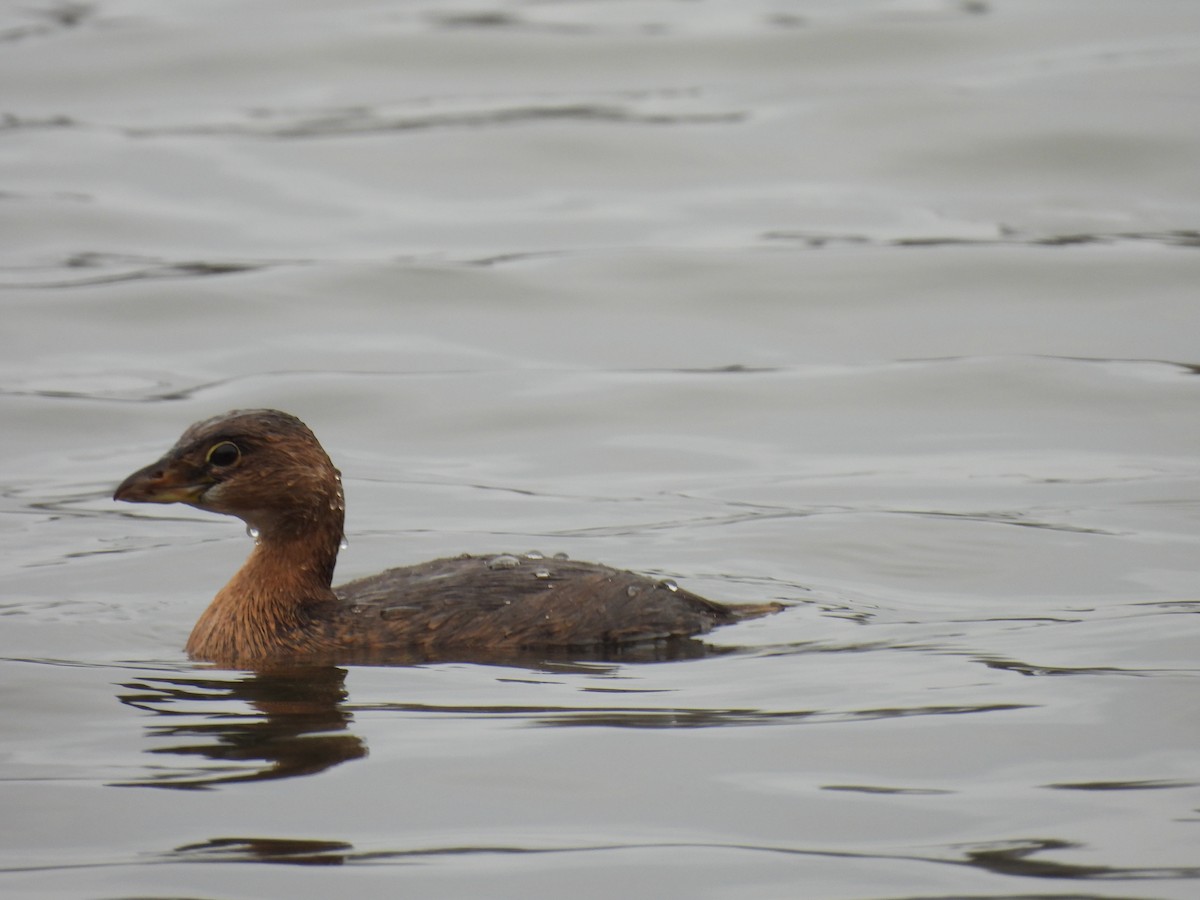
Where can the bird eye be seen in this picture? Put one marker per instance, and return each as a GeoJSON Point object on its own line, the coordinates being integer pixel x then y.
{"type": "Point", "coordinates": [223, 454]}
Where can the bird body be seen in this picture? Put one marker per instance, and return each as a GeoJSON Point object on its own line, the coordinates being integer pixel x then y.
{"type": "Point", "coordinates": [268, 469]}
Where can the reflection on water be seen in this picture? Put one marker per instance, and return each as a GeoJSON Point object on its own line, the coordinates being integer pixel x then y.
{"type": "Point", "coordinates": [292, 728]}
{"type": "Point", "coordinates": [294, 713]}
{"type": "Point", "coordinates": [289, 722]}
{"type": "Point", "coordinates": [1021, 858]}
{"type": "Point", "coordinates": [565, 659]}
{"type": "Point", "coordinates": [285, 850]}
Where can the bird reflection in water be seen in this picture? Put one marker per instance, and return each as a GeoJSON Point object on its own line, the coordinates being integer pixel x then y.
{"type": "Point", "coordinates": [296, 724]}
{"type": "Point", "coordinates": [298, 718]}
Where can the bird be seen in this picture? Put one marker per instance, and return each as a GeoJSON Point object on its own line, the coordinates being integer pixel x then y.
{"type": "Point", "coordinates": [267, 468]}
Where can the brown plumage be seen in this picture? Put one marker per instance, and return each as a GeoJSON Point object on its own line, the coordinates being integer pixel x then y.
{"type": "Point", "coordinates": [267, 468]}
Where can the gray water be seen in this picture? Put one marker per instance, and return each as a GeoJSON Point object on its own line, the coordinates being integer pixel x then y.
{"type": "Point", "coordinates": [883, 309]}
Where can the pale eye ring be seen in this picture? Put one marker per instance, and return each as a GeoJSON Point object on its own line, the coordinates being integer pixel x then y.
{"type": "Point", "coordinates": [223, 455]}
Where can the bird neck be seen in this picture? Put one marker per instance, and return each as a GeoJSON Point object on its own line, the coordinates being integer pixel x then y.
{"type": "Point", "coordinates": [280, 590]}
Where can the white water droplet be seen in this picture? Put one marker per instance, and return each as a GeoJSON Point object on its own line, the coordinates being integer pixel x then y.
{"type": "Point", "coordinates": [534, 554]}
{"type": "Point", "coordinates": [541, 573]}
{"type": "Point", "coordinates": [253, 532]}
{"type": "Point", "coordinates": [669, 585]}
{"type": "Point", "coordinates": [503, 561]}
{"type": "Point", "coordinates": [633, 590]}
{"type": "Point", "coordinates": [343, 543]}
{"type": "Point", "coordinates": [561, 555]}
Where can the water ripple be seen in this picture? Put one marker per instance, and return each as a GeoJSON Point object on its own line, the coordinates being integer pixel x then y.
{"type": "Point", "coordinates": [680, 717]}
{"type": "Point", "coordinates": [1017, 858]}
{"type": "Point", "coordinates": [653, 107]}
{"type": "Point", "coordinates": [109, 268]}
{"type": "Point", "coordinates": [1007, 237]}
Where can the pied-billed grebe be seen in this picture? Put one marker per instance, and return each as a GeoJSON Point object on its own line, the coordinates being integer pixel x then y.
{"type": "Point", "coordinates": [267, 468]}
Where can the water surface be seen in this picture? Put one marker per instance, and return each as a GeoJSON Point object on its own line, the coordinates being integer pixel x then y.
{"type": "Point", "coordinates": [882, 309]}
